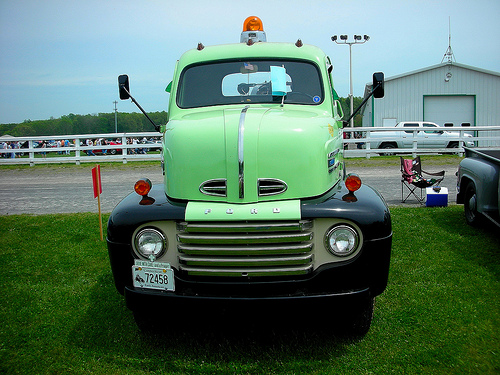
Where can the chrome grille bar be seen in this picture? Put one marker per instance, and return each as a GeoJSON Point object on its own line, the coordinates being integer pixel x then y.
{"type": "Point", "coordinates": [246, 261]}
{"type": "Point", "coordinates": [291, 271]}
{"type": "Point", "coordinates": [243, 239]}
{"type": "Point", "coordinates": [212, 251]}
{"type": "Point", "coordinates": [245, 249]}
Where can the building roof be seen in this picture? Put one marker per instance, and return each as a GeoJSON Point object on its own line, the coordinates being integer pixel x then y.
{"type": "Point", "coordinates": [432, 67]}
{"type": "Point", "coordinates": [429, 68]}
{"type": "Point", "coordinates": [441, 65]}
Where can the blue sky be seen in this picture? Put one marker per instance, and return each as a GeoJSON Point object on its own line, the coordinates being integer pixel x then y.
{"type": "Point", "coordinates": [63, 56]}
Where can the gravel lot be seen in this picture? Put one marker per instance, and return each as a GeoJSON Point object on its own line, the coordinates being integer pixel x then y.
{"type": "Point", "coordinates": [45, 189]}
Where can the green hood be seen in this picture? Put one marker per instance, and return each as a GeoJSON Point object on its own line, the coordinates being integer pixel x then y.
{"type": "Point", "coordinates": [243, 155]}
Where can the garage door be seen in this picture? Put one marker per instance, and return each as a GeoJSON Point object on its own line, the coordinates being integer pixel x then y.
{"type": "Point", "coordinates": [449, 109]}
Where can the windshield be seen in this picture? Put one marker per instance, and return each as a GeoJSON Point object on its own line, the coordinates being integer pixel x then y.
{"type": "Point", "coordinates": [247, 81]}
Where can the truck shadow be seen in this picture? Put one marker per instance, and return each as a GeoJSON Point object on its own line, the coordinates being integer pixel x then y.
{"type": "Point", "coordinates": [108, 329]}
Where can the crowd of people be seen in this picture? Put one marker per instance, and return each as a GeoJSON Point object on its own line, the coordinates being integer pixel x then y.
{"type": "Point", "coordinates": [137, 149]}
{"type": "Point", "coordinates": [10, 146]}
{"type": "Point", "coordinates": [64, 146]}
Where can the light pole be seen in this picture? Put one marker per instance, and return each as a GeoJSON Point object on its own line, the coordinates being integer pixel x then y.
{"type": "Point", "coordinates": [116, 122]}
{"type": "Point", "coordinates": [358, 39]}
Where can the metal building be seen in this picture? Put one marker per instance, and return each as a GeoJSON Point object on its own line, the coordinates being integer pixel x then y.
{"type": "Point", "coordinates": [449, 94]}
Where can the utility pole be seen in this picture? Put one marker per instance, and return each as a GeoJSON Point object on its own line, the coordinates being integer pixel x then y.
{"type": "Point", "coordinates": [116, 121]}
{"type": "Point", "coordinates": [357, 40]}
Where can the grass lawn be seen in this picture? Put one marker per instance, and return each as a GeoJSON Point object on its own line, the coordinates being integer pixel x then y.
{"type": "Point", "coordinates": [61, 314]}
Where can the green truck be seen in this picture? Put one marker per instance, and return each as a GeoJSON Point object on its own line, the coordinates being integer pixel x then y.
{"type": "Point", "coordinates": [256, 208]}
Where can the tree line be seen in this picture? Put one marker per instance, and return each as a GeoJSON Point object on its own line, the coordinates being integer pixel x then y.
{"type": "Point", "coordinates": [85, 124]}
{"type": "Point", "coordinates": [105, 123]}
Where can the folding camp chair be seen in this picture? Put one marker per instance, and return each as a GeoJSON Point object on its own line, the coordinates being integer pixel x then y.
{"type": "Point", "coordinates": [412, 178]}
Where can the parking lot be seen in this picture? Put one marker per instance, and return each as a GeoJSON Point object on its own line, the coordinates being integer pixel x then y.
{"type": "Point", "coordinates": [46, 189]}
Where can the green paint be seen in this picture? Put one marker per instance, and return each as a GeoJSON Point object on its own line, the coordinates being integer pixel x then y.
{"type": "Point", "coordinates": [213, 211]}
{"type": "Point", "coordinates": [289, 142]}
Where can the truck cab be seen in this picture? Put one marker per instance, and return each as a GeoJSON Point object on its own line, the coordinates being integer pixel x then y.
{"type": "Point", "coordinates": [256, 207]}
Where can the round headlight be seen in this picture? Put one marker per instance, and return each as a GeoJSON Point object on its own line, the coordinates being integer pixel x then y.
{"type": "Point", "coordinates": [150, 244]}
{"type": "Point", "coordinates": [342, 240]}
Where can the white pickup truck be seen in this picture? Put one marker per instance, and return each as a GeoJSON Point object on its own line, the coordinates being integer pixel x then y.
{"type": "Point", "coordinates": [431, 136]}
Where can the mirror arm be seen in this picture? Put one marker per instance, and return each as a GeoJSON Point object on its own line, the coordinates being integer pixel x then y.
{"type": "Point", "coordinates": [362, 104]}
{"type": "Point", "coordinates": [157, 128]}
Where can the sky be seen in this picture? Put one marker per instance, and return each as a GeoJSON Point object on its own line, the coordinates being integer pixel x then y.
{"type": "Point", "coordinates": [63, 56]}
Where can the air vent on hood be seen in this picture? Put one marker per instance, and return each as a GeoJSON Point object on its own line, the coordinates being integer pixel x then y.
{"type": "Point", "coordinates": [271, 186]}
{"type": "Point", "coordinates": [217, 188]}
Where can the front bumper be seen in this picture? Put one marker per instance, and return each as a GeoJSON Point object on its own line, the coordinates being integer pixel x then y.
{"type": "Point", "coordinates": [356, 279]}
{"type": "Point", "coordinates": [141, 300]}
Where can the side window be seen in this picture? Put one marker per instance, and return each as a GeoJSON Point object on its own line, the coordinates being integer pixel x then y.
{"type": "Point", "coordinates": [434, 130]}
{"type": "Point", "coordinates": [338, 114]}
{"type": "Point", "coordinates": [410, 125]}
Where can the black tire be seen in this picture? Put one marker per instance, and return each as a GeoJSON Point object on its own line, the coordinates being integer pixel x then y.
{"type": "Point", "coordinates": [388, 146]}
{"type": "Point", "coordinates": [145, 322]}
{"type": "Point", "coordinates": [472, 216]}
{"type": "Point", "coordinates": [453, 145]}
{"type": "Point", "coordinates": [357, 323]}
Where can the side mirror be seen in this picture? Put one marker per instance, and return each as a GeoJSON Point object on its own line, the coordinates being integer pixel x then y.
{"type": "Point", "coordinates": [378, 85]}
{"type": "Point", "coordinates": [377, 92]}
{"type": "Point", "coordinates": [123, 87]}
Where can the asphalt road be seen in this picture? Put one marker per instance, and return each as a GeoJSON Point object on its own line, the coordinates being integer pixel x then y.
{"type": "Point", "coordinates": [45, 189]}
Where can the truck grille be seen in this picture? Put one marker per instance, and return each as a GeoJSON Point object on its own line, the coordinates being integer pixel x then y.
{"type": "Point", "coordinates": [246, 249]}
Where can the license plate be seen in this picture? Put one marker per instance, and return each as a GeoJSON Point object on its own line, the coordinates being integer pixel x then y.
{"type": "Point", "coordinates": [157, 276]}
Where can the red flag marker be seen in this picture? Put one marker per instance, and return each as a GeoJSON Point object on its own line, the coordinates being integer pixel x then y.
{"type": "Point", "coordinates": [96, 180]}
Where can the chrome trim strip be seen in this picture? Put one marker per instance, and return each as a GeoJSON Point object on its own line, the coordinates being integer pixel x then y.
{"type": "Point", "coordinates": [271, 186]}
{"type": "Point", "coordinates": [241, 131]}
{"type": "Point", "coordinates": [278, 226]}
{"type": "Point", "coordinates": [332, 154]}
{"type": "Point", "coordinates": [218, 188]}
{"type": "Point", "coordinates": [334, 167]}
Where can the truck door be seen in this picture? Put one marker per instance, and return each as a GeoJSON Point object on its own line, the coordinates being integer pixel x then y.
{"type": "Point", "coordinates": [407, 136]}
{"type": "Point", "coordinates": [434, 136]}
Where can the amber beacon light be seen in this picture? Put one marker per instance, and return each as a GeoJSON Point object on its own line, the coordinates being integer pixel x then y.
{"type": "Point", "coordinates": [253, 31]}
{"type": "Point", "coordinates": [253, 23]}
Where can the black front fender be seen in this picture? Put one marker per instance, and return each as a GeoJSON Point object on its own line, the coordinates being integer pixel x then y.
{"type": "Point", "coordinates": [135, 210]}
{"type": "Point", "coordinates": [365, 207]}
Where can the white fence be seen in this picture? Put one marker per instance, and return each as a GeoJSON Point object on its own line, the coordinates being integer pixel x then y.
{"type": "Point", "coordinates": [121, 147]}
{"type": "Point", "coordinates": [357, 144]}
{"type": "Point", "coordinates": [359, 141]}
